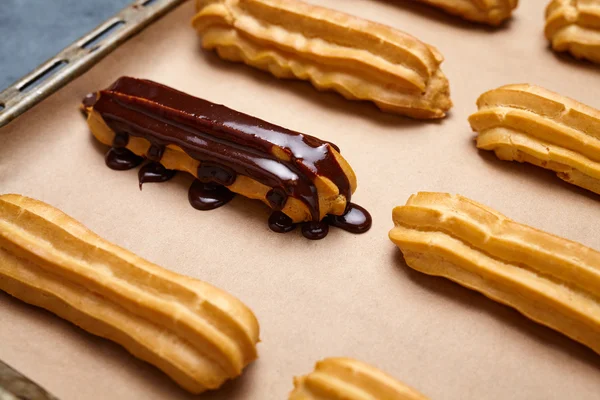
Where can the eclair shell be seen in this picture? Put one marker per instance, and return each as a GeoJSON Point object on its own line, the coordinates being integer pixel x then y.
{"type": "Point", "coordinates": [528, 123]}
{"type": "Point", "coordinates": [551, 280]}
{"type": "Point", "coordinates": [574, 26]}
{"type": "Point", "coordinates": [359, 59]}
{"type": "Point", "coordinates": [490, 12]}
{"type": "Point", "coordinates": [349, 379]}
{"type": "Point", "coordinates": [197, 334]}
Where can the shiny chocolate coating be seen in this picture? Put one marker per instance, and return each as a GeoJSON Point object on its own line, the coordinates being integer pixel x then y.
{"type": "Point", "coordinates": [208, 196]}
{"type": "Point", "coordinates": [281, 223]}
{"type": "Point", "coordinates": [315, 230]}
{"type": "Point", "coordinates": [214, 134]}
{"type": "Point", "coordinates": [154, 172]}
{"type": "Point", "coordinates": [226, 143]}
{"type": "Point", "coordinates": [122, 159]}
{"type": "Point", "coordinates": [356, 219]}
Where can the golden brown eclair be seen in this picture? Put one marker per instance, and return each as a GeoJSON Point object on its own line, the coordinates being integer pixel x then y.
{"type": "Point", "coordinates": [490, 12]}
{"type": "Point", "coordinates": [553, 281]}
{"type": "Point", "coordinates": [359, 59]}
{"type": "Point", "coordinates": [528, 123]}
{"type": "Point", "coordinates": [197, 334]}
{"type": "Point", "coordinates": [574, 26]}
{"type": "Point", "coordinates": [301, 176]}
{"type": "Point", "coordinates": [348, 379]}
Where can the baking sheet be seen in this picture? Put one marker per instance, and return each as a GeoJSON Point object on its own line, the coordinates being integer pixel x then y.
{"type": "Point", "coordinates": [347, 295]}
{"type": "Point", "coordinates": [32, 31]}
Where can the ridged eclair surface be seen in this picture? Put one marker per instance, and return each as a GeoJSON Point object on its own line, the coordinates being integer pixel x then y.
{"type": "Point", "coordinates": [491, 12]}
{"type": "Point", "coordinates": [574, 26]}
{"type": "Point", "coordinates": [197, 334]}
{"type": "Point", "coordinates": [348, 379]}
{"type": "Point", "coordinates": [551, 280]}
{"type": "Point", "coordinates": [360, 59]}
{"type": "Point", "coordinates": [527, 123]}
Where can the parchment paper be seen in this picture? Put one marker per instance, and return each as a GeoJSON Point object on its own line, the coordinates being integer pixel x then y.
{"type": "Point", "coordinates": [347, 295]}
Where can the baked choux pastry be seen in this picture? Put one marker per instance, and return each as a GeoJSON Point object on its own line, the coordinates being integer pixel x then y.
{"type": "Point", "coordinates": [553, 281]}
{"type": "Point", "coordinates": [490, 12]}
{"type": "Point", "coordinates": [348, 379]}
{"type": "Point", "coordinates": [574, 26]}
{"type": "Point", "coordinates": [527, 123]}
{"type": "Point", "coordinates": [359, 59]}
{"type": "Point", "coordinates": [197, 334]}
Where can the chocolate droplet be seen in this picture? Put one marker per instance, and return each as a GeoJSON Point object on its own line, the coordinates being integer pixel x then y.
{"type": "Point", "coordinates": [154, 172]}
{"type": "Point", "coordinates": [355, 220]}
{"type": "Point", "coordinates": [208, 196]}
{"type": "Point", "coordinates": [281, 223]}
{"type": "Point", "coordinates": [122, 159]}
{"type": "Point", "coordinates": [276, 198]}
{"type": "Point", "coordinates": [315, 230]}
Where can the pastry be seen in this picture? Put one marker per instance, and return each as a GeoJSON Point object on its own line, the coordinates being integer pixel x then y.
{"type": "Point", "coordinates": [530, 124]}
{"type": "Point", "coordinates": [348, 379]}
{"type": "Point", "coordinates": [359, 59]}
{"type": "Point", "coordinates": [197, 334]}
{"type": "Point", "coordinates": [491, 12]}
{"type": "Point", "coordinates": [302, 178]}
{"type": "Point", "coordinates": [553, 281]}
{"type": "Point", "coordinates": [574, 26]}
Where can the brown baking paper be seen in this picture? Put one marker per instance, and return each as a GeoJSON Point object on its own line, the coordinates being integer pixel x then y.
{"type": "Point", "coordinates": [347, 295]}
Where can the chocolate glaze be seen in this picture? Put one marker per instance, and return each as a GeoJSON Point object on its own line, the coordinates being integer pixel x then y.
{"type": "Point", "coordinates": [122, 159]}
{"type": "Point", "coordinates": [227, 143]}
{"type": "Point", "coordinates": [154, 172]}
{"type": "Point", "coordinates": [226, 138]}
{"type": "Point", "coordinates": [356, 219]}
{"type": "Point", "coordinates": [209, 172]}
{"type": "Point", "coordinates": [208, 196]}
{"type": "Point", "coordinates": [281, 223]}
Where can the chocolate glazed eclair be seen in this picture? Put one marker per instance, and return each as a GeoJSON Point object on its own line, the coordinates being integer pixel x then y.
{"type": "Point", "coordinates": [302, 178]}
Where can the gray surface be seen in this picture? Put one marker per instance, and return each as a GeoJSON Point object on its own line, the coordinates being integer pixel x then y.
{"type": "Point", "coordinates": [15, 386]}
{"type": "Point", "coordinates": [32, 31]}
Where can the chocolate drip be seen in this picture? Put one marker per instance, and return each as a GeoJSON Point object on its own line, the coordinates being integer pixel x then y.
{"type": "Point", "coordinates": [276, 198]}
{"type": "Point", "coordinates": [281, 223]}
{"type": "Point", "coordinates": [315, 230]}
{"type": "Point", "coordinates": [209, 172]}
{"type": "Point", "coordinates": [355, 220]}
{"type": "Point", "coordinates": [154, 172]}
{"type": "Point", "coordinates": [122, 159]}
{"type": "Point", "coordinates": [218, 136]}
{"type": "Point", "coordinates": [208, 196]}
{"type": "Point", "coordinates": [120, 140]}
{"type": "Point", "coordinates": [155, 152]}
